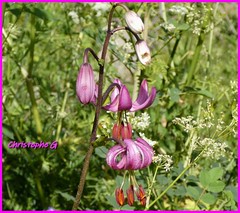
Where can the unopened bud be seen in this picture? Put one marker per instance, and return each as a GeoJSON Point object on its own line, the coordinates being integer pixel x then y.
{"type": "Point", "coordinates": [85, 85]}
{"type": "Point", "coordinates": [143, 52]}
{"type": "Point", "coordinates": [119, 196]}
{"type": "Point", "coordinates": [130, 195]}
{"type": "Point", "coordinates": [134, 22]}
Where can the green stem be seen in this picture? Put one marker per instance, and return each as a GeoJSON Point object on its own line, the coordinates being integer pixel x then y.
{"type": "Point", "coordinates": [195, 59]}
{"type": "Point", "coordinates": [11, 124]}
{"type": "Point", "coordinates": [151, 186]}
{"type": "Point", "coordinates": [177, 178]}
{"type": "Point", "coordinates": [28, 80]}
{"type": "Point", "coordinates": [40, 191]}
{"type": "Point", "coordinates": [164, 16]}
{"type": "Point", "coordinates": [61, 112]}
{"type": "Point", "coordinates": [97, 114]}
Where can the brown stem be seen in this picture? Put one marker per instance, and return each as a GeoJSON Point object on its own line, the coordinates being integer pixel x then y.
{"type": "Point", "coordinates": [96, 119]}
{"type": "Point", "coordinates": [85, 57]}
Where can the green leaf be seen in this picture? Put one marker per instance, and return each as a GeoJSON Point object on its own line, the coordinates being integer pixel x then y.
{"type": "Point", "coordinates": [215, 174]}
{"type": "Point", "coordinates": [217, 186]}
{"type": "Point", "coordinates": [7, 132]}
{"type": "Point", "coordinates": [203, 178]}
{"type": "Point", "coordinates": [183, 26]}
{"type": "Point", "coordinates": [101, 151]}
{"type": "Point", "coordinates": [193, 192]}
{"type": "Point", "coordinates": [65, 195]}
{"type": "Point", "coordinates": [208, 198]}
{"type": "Point", "coordinates": [112, 201]}
{"type": "Point", "coordinates": [174, 94]}
{"type": "Point", "coordinates": [199, 92]}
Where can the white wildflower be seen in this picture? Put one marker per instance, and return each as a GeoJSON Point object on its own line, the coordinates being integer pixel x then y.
{"type": "Point", "coordinates": [164, 160]}
{"type": "Point", "coordinates": [140, 122]}
{"type": "Point", "coordinates": [74, 17]}
{"type": "Point", "coordinates": [149, 141]}
{"type": "Point", "coordinates": [168, 27]}
{"type": "Point", "coordinates": [101, 8]}
{"type": "Point", "coordinates": [178, 10]}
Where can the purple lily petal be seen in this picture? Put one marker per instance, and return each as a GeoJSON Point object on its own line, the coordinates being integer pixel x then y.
{"type": "Point", "coordinates": [120, 100]}
{"type": "Point", "coordinates": [112, 155]}
{"type": "Point", "coordinates": [146, 152]}
{"type": "Point", "coordinates": [125, 101]}
{"type": "Point", "coordinates": [94, 98]}
{"type": "Point", "coordinates": [113, 106]}
{"type": "Point", "coordinates": [135, 155]}
{"type": "Point", "coordinates": [144, 100]}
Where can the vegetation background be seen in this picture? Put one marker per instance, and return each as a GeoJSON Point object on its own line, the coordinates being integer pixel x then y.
{"type": "Point", "coordinates": [194, 68]}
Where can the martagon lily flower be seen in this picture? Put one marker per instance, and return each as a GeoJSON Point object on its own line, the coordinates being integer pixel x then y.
{"type": "Point", "coordinates": [121, 100]}
{"type": "Point", "coordinates": [132, 155]}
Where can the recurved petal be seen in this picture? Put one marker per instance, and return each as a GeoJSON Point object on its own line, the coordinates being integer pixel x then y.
{"type": "Point", "coordinates": [134, 160]}
{"type": "Point", "coordinates": [113, 106]}
{"type": "Point", "coordinates": [113, 156]}
{"type": "Point", "coordinates": [142, 102]}
{"type": "Point", "coordinates": [146, 155]}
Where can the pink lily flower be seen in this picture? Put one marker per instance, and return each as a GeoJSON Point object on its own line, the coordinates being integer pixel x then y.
{"type": "Point", "coordinates": [133, 156]}
{"type": "Point", "coordinates": [121, 100]}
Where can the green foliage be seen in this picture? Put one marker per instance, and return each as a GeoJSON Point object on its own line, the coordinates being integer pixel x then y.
{"type": "Point", "coordinates": [194, 68]}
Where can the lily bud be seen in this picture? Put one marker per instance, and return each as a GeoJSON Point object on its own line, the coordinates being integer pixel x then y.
{"type": "Point", "coordinates": [130, 196]}
{"type": "Point", "coordinates": [85, 85]}
{"type": "Point", "coordinates": [141, 196]}
{"type": "Point", "coordinates": [126, 131]}
{"type": "Point", "coordinates": [116, 131]}
{"type": "Point", "coordinates": [119, 196]}
{"type": "Point", "coordinates": [143, 52]}
{"type": "Point", "coordinates": [134, 22]}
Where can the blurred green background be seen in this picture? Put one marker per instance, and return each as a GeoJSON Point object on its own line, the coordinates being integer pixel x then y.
{"type": "Point", "coordinates": [194, 61]}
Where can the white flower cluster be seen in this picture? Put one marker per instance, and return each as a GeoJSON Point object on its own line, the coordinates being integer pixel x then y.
{"type": "Point", "coordinates": [215, 149]}
{"type": "Point", "coordinates": [74, 17]}
{"type": "Point", "coordinates": [164, 160]}
{"type": "Point", "coordinates": [178, 10]}
{"type": "Point", "coordinates": [140, 122]}
{"type": "Point", "coordinates": [149, 141]}
{"type": "Point", "coordinates": [101, 8]}
{"type": "Point", "coordinates": [197, 17]}
{"type": "Point", "coordinates": [168, 27]}
{"type": "Point", "coordinates": [187, 123]}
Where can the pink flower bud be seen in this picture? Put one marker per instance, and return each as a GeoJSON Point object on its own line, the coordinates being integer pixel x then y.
{"type": "Point", "coordinates": [134, 22]}
{"type": "Point", "coordinates": [85, 85]}
{"type": "Point", "coordinates": [143, 52]}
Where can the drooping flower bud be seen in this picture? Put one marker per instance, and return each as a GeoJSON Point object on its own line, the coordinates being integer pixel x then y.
{"type": "Point", "coordinates": [130, 195]}
{"type": "Point", "coordinates": [126, 131]}
{"type": "Point", "coordinates": [134, 22]}
{"type": "Point", "coordinates": [85, 85]}
{"type": "Point", "coordinates": [116, 131]}
{"type": "Point", "coordinates": [141, 196]}
{"type": "Point", "coordinates": [122, 131]}
{"type": "Point", "coordinates": [119, 196]}
{"type": "Point", "coordinates": [143, 52]}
